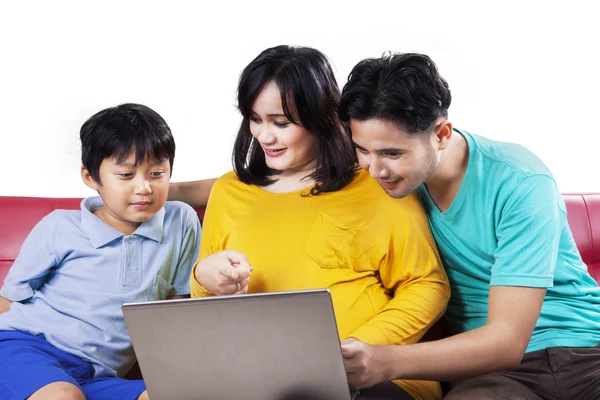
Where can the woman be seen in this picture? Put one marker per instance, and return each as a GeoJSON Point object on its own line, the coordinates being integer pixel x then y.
{"type": "Point", "coordinates": [306, 218]}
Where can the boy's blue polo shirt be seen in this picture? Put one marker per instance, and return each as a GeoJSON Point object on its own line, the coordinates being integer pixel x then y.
{"type": "Point", "coordinates": [507, 226]}
{"type": "Point", "coordinates": [74, 272]}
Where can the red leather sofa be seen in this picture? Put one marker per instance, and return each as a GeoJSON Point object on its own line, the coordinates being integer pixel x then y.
{"type": "Point", "coordinates": [18, 215]}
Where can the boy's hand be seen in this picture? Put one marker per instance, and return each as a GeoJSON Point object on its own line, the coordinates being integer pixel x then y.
{"type": "Point", "coordinates": [364, 368]}
{"type": "Point", "coordinates": [4, 304]}
{"type": "Point", "coordinates": [226, 272]}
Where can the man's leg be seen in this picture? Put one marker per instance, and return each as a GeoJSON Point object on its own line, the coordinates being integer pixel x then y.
{"type": "Point", "coordinates": [577, 372]}
{"type": "Point", "coordinates": [495, 386]}
{"type": "Point", "coordinates": [550, 374]}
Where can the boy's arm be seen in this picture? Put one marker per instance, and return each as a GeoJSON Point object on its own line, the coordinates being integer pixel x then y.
{"type": "Point", "coordinates": [194, 193]}
{"type": "Point", "coordinates": [412, 271]}
{"type": "Point", "coordinates": [528, 239]}
{"type": "Point", "coordinates": [34, 262]}
{"type": "Point", "coordinates": [4, 304]}
{"type": "Point", "coordinates": [187, 258]}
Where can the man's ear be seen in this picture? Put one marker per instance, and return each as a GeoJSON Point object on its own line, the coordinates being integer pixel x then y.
{"type": "Point", "coordinates": [88, 180]}
{"type": "Point", "coordinates": [444, 134]}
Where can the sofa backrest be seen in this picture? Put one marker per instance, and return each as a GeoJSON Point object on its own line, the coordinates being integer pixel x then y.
{"type": "Point", "coordinates": [18, 215]}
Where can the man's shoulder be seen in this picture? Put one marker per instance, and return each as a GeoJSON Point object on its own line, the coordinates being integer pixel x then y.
{"type": "Point", "coordinates": [513, 158]}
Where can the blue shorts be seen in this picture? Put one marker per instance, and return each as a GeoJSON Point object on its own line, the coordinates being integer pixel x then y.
{"type": "Point", "coordinates": [28, 363]}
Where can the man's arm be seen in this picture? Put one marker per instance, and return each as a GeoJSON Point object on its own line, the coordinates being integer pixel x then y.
{"type": "Point", "coordinates": [4, 304]}
{"type": "Point", "coordinates": [194, 193]}
{"type": "Point", "coordinates": [499, 345]}
{"type": "Point", "coordinates": [528, 235]}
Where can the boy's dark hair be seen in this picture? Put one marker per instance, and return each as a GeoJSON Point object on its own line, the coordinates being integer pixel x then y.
{"type": "Point", "coordinates": [117, 131]}
{"type": "Point", "coordinates": [404, 88]}
{"type": "Point", "coordinates": [309, 97]}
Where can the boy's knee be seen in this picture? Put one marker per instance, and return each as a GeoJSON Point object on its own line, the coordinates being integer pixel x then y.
{"type": "Point", "coordinates": [58, 391]}
{"type": "Point", "coordinates": [144, 396]}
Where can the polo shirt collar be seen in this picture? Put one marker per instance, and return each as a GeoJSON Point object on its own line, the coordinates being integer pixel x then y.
{"type": "Point", "coordinates": [101, 234]}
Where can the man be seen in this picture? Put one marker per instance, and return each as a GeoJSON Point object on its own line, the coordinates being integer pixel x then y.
{"type": "Point", "coordinates": [524, 309]}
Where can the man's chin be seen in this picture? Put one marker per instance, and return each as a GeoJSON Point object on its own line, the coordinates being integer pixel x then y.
{"type": "Point", "coordinates": [399, 191]}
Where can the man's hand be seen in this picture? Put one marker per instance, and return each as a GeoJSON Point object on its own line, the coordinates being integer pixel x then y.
{"type": "Point", "coordinates": [223, 273]}
{"type": "Point", "coordinates": [364, 364]}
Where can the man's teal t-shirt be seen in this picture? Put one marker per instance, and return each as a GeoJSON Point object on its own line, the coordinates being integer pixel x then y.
{"type": "Point", "coordinates": [508, 226]}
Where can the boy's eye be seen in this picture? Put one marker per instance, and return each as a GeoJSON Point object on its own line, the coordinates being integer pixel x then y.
{"type": "Point", "coordinates": [126, 175]}
{"type": "Point", "coordinates": [157, 174]}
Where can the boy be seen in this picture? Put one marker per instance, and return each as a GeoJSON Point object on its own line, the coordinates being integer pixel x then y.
{"type": "Point", "coordinates": [62, 332]}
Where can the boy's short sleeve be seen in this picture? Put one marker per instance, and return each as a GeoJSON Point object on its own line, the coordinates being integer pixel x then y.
{"type": "Point", "coordinates": [34, 262]}
{"type": "Point", "coordinates": [189, 254]}
{"type": "Point", "coordinates": [528, 235]}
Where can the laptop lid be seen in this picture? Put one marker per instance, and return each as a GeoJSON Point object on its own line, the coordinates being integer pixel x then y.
{"type": "Point", "coordinates": [269, 346]}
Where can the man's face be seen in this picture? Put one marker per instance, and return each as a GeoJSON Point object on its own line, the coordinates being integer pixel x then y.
{"type": "Point", "coordinates": [398, 160]}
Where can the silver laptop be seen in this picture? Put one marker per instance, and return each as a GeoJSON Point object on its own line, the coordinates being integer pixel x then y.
{"type": "Point", "coordinates": [271, 346]}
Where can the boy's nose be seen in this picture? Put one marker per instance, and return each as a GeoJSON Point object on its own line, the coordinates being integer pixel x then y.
{"type": "Point", "coordinates": [144, 188]}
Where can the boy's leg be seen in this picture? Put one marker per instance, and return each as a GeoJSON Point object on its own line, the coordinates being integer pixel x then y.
{"type": "Point", "coordinates": [58, 391]}
{"type": "Point", "coordinates": [30, 366]}
{"type": "Point", "coordinates": [114, 389]}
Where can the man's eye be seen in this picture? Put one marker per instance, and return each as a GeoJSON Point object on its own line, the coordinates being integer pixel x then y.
{"type": "Point", "coordinates": [362, 151]}
{"type": "Point", "coordinates": [391, 155]}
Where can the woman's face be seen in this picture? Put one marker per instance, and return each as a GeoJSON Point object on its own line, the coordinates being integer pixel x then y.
{"type": "Point", "coordinates": [288, 147]}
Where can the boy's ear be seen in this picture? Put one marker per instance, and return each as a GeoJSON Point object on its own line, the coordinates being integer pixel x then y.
{"type": "Point", "coordinates": [88, 180]}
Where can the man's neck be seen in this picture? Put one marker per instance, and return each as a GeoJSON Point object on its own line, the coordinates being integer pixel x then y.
{"type": "Point", "coordinates": [445, 181]}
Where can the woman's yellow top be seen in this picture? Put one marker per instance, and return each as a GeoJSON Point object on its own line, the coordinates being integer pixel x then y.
{"type": "Point", "coordinates": [374, 253]}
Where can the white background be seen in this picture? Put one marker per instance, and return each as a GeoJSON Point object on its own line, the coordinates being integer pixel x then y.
{"type": "Point", "coordinates": [522, 71]}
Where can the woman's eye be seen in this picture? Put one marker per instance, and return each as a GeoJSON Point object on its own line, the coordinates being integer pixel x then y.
{"type": "Point", "coordinates": [255, 120]}
{"type": "Point", "coordinates": [280, 124]}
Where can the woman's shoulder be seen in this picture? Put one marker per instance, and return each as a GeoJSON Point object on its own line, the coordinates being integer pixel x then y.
{"type": "Point", "coordinates": [372, 192]}
{"type": "Point", "coordinates": [229, 183]}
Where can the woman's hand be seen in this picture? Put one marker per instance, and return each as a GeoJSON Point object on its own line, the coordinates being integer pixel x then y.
{"type": "Point", "coordinates": [223, 273]}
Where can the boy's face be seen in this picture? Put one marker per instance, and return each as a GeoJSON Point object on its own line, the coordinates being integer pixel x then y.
{"type": "Point", "coordinates": [131, 194]}
{"type": "Point", "coordinates": [399, 161]}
